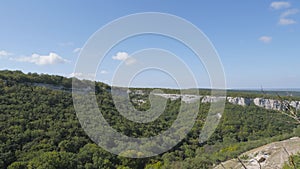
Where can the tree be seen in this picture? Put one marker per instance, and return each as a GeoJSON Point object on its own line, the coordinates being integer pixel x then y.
{"type": "Point", "coordinates": [54, 160]}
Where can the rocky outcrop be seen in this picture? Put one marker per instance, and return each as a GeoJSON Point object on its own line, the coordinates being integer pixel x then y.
{"type": "Point", "coordinates": [295, 104]}
{"type": "Point", "coordinates": [212, 99]}
{"type": "Point", "coordinates": [239, 101]}
{"type": "Point", "coordinates": [168, 96]}
{"type": "Point", "coordinates": [270, 104]}
{"type": "Point", "coordinates": [270, 156]}
{"type": "Point", "coordinates": [185, 98]}
{"type": "Point", "coordinates": [191, 98]}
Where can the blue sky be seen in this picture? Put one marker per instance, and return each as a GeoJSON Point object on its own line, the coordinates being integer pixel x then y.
{"type": "Point", "coordinates": [257, 41]}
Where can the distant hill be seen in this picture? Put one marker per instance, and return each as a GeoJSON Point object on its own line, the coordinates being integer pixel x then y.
{"type": "Point", "coordinates": [40, 129]}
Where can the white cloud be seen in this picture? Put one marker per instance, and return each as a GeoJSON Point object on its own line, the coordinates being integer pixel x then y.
{"type": "Point", "coordinates": [265, 39]}
{"type": "Point", "coordinates": [76, 50]}
{"type": "Point", "coordinates": [121, 56]}
{"type": "Point", "coordinates": [103, 72]}
{"type": "Point", "coordinates": [4, 53]}
{"type": "Point", "coordinates": [280, 5]}
{"type": "Point", "coordinates": [50, 59]}
{"type": "Point", "coordinates": [284, 21]}
{"type": "Point", "coordinates": [289, 12]}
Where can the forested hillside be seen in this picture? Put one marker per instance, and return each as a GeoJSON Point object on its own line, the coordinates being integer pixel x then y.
{"type": "Point", "coordinates": [40, 129]}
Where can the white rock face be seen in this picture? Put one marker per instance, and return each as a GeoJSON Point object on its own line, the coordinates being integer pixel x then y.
{"type": "Point", "coordinates": [295, 104]}
{"type": "Point", "coordinates": [275, 104]}
{"type": "Point", "coordinates": [168, 96]}
{"type": "Point", "coordinates": [269, 104]}
{"type": "Point", "coordinates": [239, 101]}
{"type": "Point", "coordinates": [190, 98]}
{"type": "Point", "coordinates": [211, 99]}
{"type": "Point", "coordinates": [185, 98]}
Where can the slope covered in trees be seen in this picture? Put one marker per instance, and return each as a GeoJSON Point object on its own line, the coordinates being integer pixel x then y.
{"type": "Point", "coordinates": [40, 129]}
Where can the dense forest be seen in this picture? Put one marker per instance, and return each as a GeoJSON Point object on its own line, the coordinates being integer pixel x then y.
{"type": "Point", "coordinates": [40, 129]}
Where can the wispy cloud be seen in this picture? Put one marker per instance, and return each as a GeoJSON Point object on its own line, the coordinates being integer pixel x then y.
{"type": "Point", "coordinates": [123, 56]}
{"type": "Point", "coordinates": [76, 50]}
{"type": "Point", "coordinates": [284, 17]}
{"type": "Point", "coordinates": [265, 39]}
{"type": "Point", "coordinates": [37, 59]}
{"type": "Point", "coordinates": [283, 20]}
{"type": "Point", "coordinates": [280, 5]}
{"type": "Point", "coordinates": [289, 12]}
{"type": "Point", "coordinates": [4, 53]}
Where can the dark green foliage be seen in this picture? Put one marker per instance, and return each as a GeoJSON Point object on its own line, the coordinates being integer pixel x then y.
{"type": "Point", "coordinates": [39, 128]}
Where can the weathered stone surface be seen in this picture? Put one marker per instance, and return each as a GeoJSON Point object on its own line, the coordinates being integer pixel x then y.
{"type": "Point", "coordinates": [211, 99]}
{"type": "Point", "coordinates": [270, 156]}
{"type": "Point", "coordinates": [239, 101]}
